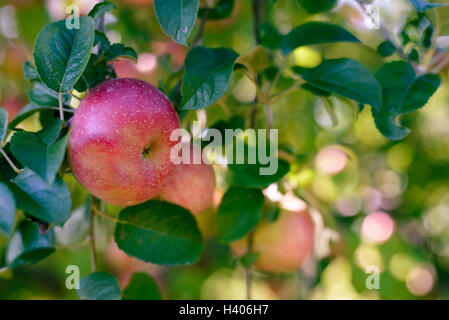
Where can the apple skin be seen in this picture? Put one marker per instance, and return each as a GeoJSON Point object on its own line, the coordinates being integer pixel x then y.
{"type": "Point", "coordinates": [283, 245]}
{"type": "Point", "coordinates": [111, 132]}
{"type": "Point", "coordinates": [191, 185]}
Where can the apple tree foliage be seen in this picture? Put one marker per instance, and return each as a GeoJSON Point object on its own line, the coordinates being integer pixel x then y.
{"type": "Point", "coordinates": [35, 199]}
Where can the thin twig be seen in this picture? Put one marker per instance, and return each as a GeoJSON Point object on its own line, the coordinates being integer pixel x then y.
{"type": "Point", "coordinates": [8, 159]}
{"type": "Point", "coordinates": [199, 36]}
{"type": "Point", "coordinates": [279, 96]}
{"type": "Point", "coordinates": [93, 252]}
{"type": "Point", "coordinates": [248, 273]}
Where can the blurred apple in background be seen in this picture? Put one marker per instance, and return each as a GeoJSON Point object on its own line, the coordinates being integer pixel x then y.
{"type": "Point", "coordinates": [13, 105]}
{"type": "Point", "coordinates": [123, 266]}
{"type": "Point", "coordinates": [57, 8]}
{"type": "Point", "coordinates": [284, 244]}
{"type": "Point", "coordinates": [191, 184]}
{"type": "Point", "coordinates": [178, 52]}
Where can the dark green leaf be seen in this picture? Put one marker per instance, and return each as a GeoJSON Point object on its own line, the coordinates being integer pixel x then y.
{"type": "Point", "coordinates": [345, 77]}
{"type": "Point", "coordinates": [386, 49]}
{"type": "Point", "coordinates": [249, 258]}
{"type": "Point", "coordinates": [3, 123]}
{"type": "Point", "coordinates": [141, 287]}
{"type": "Point", "coordinates": [99, 286]}
{"type": "Point", "coordinates": [26, 112]}
{"type": "Point", "coordinates": [207, 75]}
{"type": "Point", "coordinates": [49, 203]}
{"type": "Point", "coordinates": [29, 72]}
{"type": "Point", "coordinates": [239, 212]}
{"type": "Point", "coordinates": [177, 18]}
{"type": "Point", "coordinates": [413, 55]}
{"type": "Point", "coordinates": [314, 33]}
{"type": "Point", "coordinates": [270, 37]}
{"type": "Point", "coordinates": [101, 40]}
{"type": "Point", "coordinates": [100, 9]}
{"type": "Point", "coordinates": [402, 91]}
{"type": "Point", "coordinates": [41, 95]}
{"type": "Point", "coordinates": [28, 245]}
{"type": "Point", "coordinates": [95, 73]}
{"type": "Point", "coordinates": [160, 233]}
{"type": "Point", "coordinates": [40, 152]}
{"type": "Point", "coordinates": [222, 10]}
{"type": "Point", "coordinates": [61, 54]}
{"type": "Point", "coordinates": [249, 175]}
{"type": "Point", "coordinates": [316, 6]}
{"type": "Point", "coordinates": [118, 50]}
{"type": "Point", "coordinates": [7, 209]}
{"type": "Point", "coordinates": [422, 5]}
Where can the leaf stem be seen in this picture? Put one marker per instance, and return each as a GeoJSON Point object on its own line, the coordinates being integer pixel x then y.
{"type": "Point", "coordinates": [61, 108]}
{"type": "Point", "coordinates": [8, 159]}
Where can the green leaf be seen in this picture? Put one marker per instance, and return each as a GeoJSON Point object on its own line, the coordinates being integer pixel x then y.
{"type": "Point", "coordinates": [239, 212]}
{"type": "Point", "coordinates": [7, 209]}
{"type": "Point", "coordinates": [3, 123]}
{"type": "Point", "coordinates": [49, 203]}
{"type": "Point", "coordinates": [316, 6]}
{"type": "Point", "coordinates": [29, 72]}
{"type": "Point", "coordinates": [345, 77]}
{"type": "Point", "coordinates": [402, 91]}
{"type": "Point", "coordinates": [249, 175]}
{"type": "Point", "coordinates": [422, 5]}
{"type": "Point", "coordinates": [256, 61]}
{"type": "Point", "coordinates": [40, 153]}
{"type": "Point", "coordinates": [118, 50]}
{"type": "Point", "coordinates": [99, 286]}
{"type": "Point", "coordinates": [100, 9]}
{"type": "Point", "coordinates": [177, 17]}
{"type": "Point", "coordinates": [249, 258]}
{"type": "Point", "coordinates": [76, 228]}
{"type": "Point", "coordinates": [160, 233]}
{"type": "Point", "coordinates": [61, 54]}
{"type": "Point", "coordinates": [142, 287]}
{"type": "Point", "coordinates": [95, 73]}
{"type": "Point", "coordinates": [43, 96]}
{"type": "Point", "coordinates": [270, 37]}
{"type": "Point", "coordinates": [315, 33]}
{"type": "Point", "coordinates": [386, 49]}
{"type": "Point", "coordinates": [26, 112]}
{"type": "Point", "coordinates": [207, 75]}
{"type": "Point", "coordinates": [28, 246]}
{"type": "Point", "coordinates": [222, 10]}
{"type": "Point", "coordinates": [101, 40]}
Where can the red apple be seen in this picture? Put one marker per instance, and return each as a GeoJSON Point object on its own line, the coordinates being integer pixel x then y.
{"type": "Point", "coordinates": [282, 245]}
{"type": "Point", "coordinates": [119, 147]}
{"type": "Point", "coordinates": [191, 185]}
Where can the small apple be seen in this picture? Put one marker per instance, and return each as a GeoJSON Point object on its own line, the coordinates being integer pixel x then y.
{"type": "Point", "coordinates": [282, 245]}
{"type": "Point", "coordinates": [119, 147]}
{"type": "Point", "coordinates": [191, 185]}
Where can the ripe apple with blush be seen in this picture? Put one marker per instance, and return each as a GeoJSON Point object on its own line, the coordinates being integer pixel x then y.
{"type": "Point", "coordinates": [192, 184]}
{"type": "Point", "coordinates": [119, 146]}
{"type": "Point", "coordinates": [283, 245]}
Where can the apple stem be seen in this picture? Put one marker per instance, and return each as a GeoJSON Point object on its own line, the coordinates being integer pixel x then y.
{"type": "Point", "coordinates": [93, 252]}
{"type": "Point", "coordinates": [8, 159]}
{"type": "Point", "coordinates": [61, 108]}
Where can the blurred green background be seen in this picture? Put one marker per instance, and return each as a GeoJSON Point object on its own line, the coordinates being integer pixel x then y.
{"type": "Point", "coordinates": [381, 203]}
